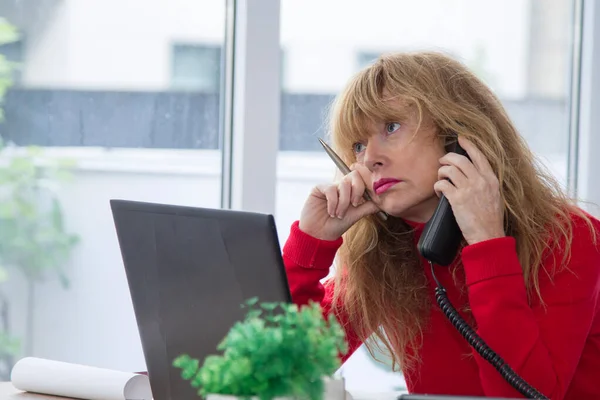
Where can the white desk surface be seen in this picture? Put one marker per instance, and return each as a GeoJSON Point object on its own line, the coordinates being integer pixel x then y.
{"type": "Point", "coordinates": [8, 392]}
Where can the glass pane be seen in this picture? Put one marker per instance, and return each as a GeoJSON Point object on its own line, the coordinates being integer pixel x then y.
{"type": "Point", "coordinates": [123, 96]}
{"type": "Point", "coordinates": [520, 48]}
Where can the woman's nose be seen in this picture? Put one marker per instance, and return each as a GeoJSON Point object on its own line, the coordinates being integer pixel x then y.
{"type": "Point", "coordinates": [374, 157]}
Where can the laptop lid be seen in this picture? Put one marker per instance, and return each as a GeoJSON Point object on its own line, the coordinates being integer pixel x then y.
{"type": "Point", "coordinates": [189, 270]}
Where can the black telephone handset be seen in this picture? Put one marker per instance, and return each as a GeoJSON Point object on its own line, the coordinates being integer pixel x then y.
{"type": "Point", "coordinates": [441, 236]}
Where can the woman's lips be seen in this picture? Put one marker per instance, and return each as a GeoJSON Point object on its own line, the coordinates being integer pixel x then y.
{"type": "Point", "coordinates": [383, 185]}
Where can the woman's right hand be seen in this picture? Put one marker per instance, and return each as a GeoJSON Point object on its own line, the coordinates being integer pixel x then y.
{"type": "Point", "coordinates": [331, 209]}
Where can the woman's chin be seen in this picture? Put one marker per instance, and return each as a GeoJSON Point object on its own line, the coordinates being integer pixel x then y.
{"type": "Point", "coordinates": [397, 212]}
{"type": "Point", "coordinates": [415, 211]}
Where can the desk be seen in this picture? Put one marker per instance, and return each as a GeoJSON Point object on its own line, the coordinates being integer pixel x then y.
{"type": "Point", "coordinates": [8, 392]}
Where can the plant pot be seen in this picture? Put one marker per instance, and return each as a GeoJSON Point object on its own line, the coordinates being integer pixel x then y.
{"type": "Point", "coordinates": [335, 389]}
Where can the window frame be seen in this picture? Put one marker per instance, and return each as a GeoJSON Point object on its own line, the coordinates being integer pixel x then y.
{"type": "Point", "coordinates": [586, 138]}
{"type": "Point", "coordinates": [250, 128]}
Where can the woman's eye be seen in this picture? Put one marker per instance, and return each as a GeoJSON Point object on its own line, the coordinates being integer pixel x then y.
{"type": "Point", "coordinates": [358, 147]}
{"type": "Point", "coordinates": [392, 127]}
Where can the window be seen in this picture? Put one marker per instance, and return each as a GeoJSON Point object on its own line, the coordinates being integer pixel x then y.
{"type": "Point", "coordinates": [196, 67]}
{"type": "Point", "coordinates": [13, 54]}
{"type": "Point", "coordinates": [104, 94]}
{"type": "Point", "coordinates": [527, 64]}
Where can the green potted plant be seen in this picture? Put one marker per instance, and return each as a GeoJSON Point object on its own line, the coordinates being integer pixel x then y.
{"type": "Point", "coordinates": [278, 351]}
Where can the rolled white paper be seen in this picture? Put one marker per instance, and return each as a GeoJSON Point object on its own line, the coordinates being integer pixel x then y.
{"type": "Point", "coordinates": [58, 378]}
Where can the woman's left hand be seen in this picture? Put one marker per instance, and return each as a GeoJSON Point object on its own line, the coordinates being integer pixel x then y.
{"type": "Point", "coordinates": [474, 193]}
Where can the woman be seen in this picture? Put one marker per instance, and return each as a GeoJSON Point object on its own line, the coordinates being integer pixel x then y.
{"type": "Point", "coordinates": [527, 275]}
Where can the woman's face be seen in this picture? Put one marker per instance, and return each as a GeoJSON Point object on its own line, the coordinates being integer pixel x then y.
{"type": "Point", "coordinates": [404, 165]}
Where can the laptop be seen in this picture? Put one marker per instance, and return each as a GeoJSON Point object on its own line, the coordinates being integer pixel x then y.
{"type": "Point", "coordinates": [189, 271]}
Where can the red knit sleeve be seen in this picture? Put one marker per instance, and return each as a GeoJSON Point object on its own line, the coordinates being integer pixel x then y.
{"type": "Point", "coordinates": [541, 343]}
{"type": "Point", "coordinates": [307, 261]}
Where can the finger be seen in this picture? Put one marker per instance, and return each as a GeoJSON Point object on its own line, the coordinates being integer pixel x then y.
{"type": "Point", "coordinates": [477, 157]}
{"type": "Point", "coordinates": [367, 208]}
{"type": "Point", "coordinates": [462, 163]}
{"type": "Point", "coordinates": [319, 191]}
{"type": "Point", "coordinates": [365, 174]}
{"type": "Point", "coordinates": [331, 194]}
{"type": "Point", "coordinates": [446, 188]}
{"type": "Point", "coordinates": [344, 189]}
{"type": "Point", "coordinates": [358, 187]}
{"type": "Point", "coordinates": [455, 175]}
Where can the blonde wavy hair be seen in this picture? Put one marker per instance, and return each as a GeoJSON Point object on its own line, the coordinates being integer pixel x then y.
{"type": "Point", "coordinates": [382, 284]}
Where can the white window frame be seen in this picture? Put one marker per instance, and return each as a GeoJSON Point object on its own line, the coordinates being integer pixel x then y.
{"type": "Point", "coordinates": [588, 134]}
{"type": "Point", "coordinates": [251, 105]}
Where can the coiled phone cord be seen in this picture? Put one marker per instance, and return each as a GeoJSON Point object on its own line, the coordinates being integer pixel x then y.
{"type": "Point", "coordinates": [478, 344]}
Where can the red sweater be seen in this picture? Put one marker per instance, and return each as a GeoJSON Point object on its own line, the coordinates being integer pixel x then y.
{"type": "Point", "coordinates": [556, 350]}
